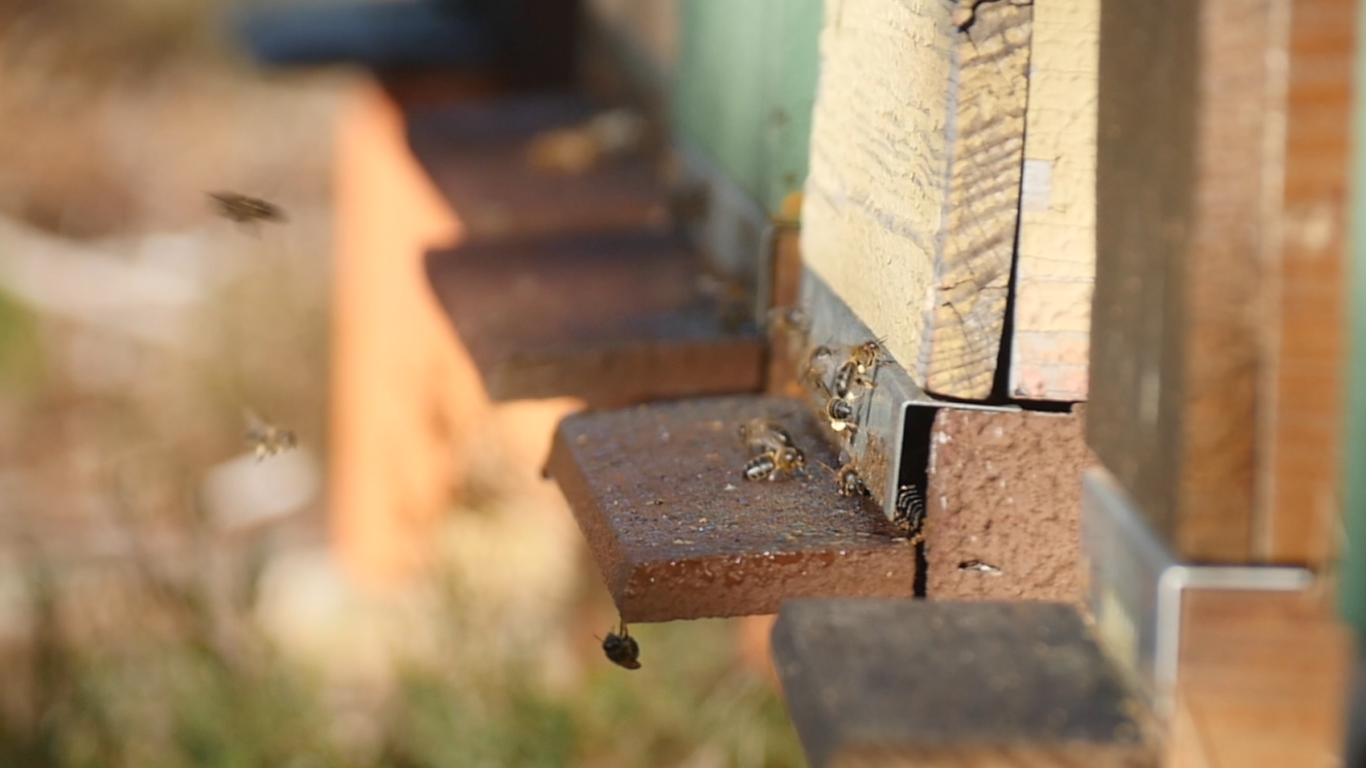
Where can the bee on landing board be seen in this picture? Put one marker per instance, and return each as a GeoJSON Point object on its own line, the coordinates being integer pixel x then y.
{"type": "Point", "coordinates": [772, 464]}
{"type": "Point", "coordinates": [849, 483]}
{"type": "Point", "coordinates": [622, 649]}
{"type": "Point", "coordinates": [242, 209]}
{"type": "Point", "coordinates": [840, 412]}
{"type": "Point", "coordinates": [267, 439]}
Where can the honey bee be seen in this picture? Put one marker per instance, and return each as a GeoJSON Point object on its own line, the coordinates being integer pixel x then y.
{"type": "Point", "coordinates": [242, 209]}
{"type": "Point", "coordinates": [849, 483]}
{"type": "Point", "coordinates": [841, 415]}
{"type": "Point", "coordinates": [979, 566]}
{"type": "Point", "coordinates": [859, 369]}
{"type": "Point", "coordinates": [867, 356]}
{"type": "Point", "coordinates": [769, 465]}
{"type": "Point", "coordinates": [622, 649]}
{"type": "Point", "coordinates": [817, 368]}
{"type": "Point", "coordinates": [267, 439]}
{"type": "Point", "coordinates": [910, 513]}
{"type": "Point", "coordinates": [762, 436]}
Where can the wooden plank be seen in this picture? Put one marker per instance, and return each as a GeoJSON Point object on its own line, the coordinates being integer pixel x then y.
{"type": "Point", "coordinates": [1305, 334]}
{"type": "Point", "coordinates": [1183, 168]}
{"type": "Point", "coordinates": [1056, 265]}
{"type": "Point", "coordinates": [678, 533]}
{"type": "Point", "coordinates": [1003, 512]}
{"type": "Point", "coordinates": [960, 685]}
{"type": "Point", "coordinates": [913, 189]}
{"type": "Point", "coordinates": [1263, 682]}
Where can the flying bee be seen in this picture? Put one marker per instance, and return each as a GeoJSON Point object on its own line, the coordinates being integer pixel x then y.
{"type": "Point", "coordinates": [849, 483]}
{"type": "Point", "coordinates": [770, 465]}
{"type": "Point", "coordinates": [267, 439]}
{"type": "Point", "coordinates": [979, 566]}
{"type": "Point", "coordinates": [817, 368]}
{"type": "Point", "coordinates": [910, 513]}
{"type": "Point", "coordinates": [841, 415]}
{"type": "Point", "coordinates": [242, 209]}
{"type": "Point", "coordinates": [622, 649]}
{"type": "Point", "coordinates": [762, 436]}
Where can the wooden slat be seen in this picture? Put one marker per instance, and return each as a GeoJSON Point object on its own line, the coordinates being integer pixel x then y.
{"type": "Point", "coordinates": [912, 197]}
{"type": "Point", "coordinates": [1183, 169]}
{"type": "Point", "coordinates": [678, 533]}
{"type": "Point", "coordinates": [973, 269]}
{"type": "Point", "coordinates": [1303, 407]}
{"type": "Point", "coordinates": [1056, 264]}
{"type": "Point", "coordinates": [1263, 682]}
{"type": "Point", "coordinates": [955, 685]}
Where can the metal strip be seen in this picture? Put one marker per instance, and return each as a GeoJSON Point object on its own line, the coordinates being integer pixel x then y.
{"type": "Point", "coordinates": [878, 447]}
{"type": "Point", "coordinates": [1137, 585]}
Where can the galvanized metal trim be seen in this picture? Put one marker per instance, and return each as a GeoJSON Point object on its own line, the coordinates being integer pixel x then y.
{"type": "Point", "coordinates": [878, 447]}
{"type": "Point", "coordinates": [1137, 585]}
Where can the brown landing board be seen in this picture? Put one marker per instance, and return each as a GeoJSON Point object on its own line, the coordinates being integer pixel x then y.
{"type": "Point", "coordinates": [914, 683]}
{"type": "Point", "coordinates": [475, 153]}
{"type": "Point", "coordinates": [679, 534]}
{"type": "Point", "coordinates": [612, 319]}
{"type": "Point", "coordinates": [1004, 506]}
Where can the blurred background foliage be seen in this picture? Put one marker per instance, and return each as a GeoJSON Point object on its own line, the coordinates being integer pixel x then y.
{"type": "Point", "coordinates": [141, 624]}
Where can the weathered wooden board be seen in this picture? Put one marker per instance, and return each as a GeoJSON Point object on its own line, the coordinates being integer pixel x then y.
{"type": "Point", "coordinates": [1183, 169]}
{"type": "Point", "coordinates": [955, 685]}
{"type": "Point", "coordinates": [1263, 682]}
{"type": "Point", "coordinates": [913, 194]}
{"type": "Point", "coordinates": [1302, 406]}
{"type": "Point", "coordinates": [1056, 264]}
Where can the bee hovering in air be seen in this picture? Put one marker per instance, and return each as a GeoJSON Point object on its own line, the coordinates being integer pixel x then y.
{"type": "Point", "coordinates": [622, 649]}
{"type": "Point", "coordinates": [771, 464]}
{"type": "Point", "coordinates": [267, 439]}
{"type": "Point", "coordinates": [762, 436]}
{"type": "Point", "coordinates": [910, 513]}
{"type": "Point", "coordinates": [246, 210]}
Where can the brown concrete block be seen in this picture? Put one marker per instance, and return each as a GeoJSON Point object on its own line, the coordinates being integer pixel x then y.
{"type": "Point", "coordinates": [914, 683]}
{"type": "Point", "coordinates": [679, 534]}
{"type": "Point", "coordinates": [1004, 506]}
{"type": "Point", "coordinates": [612, 319]}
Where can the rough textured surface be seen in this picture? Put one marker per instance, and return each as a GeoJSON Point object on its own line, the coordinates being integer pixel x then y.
{"type": "Point", "coordinates": [972, 274]}
{"type": "Point", "coordinates": [900, 682]}
{"type": "Point", "coordinates": [1005, 491]}
{"type": "Point", "coordinates": [679, 534]}
{"type": "Point", "coordinates": [1056, 267]}
{"type": "Point", "coordinates": [476, 153]}
{"type": "Point", "coordinates": [611, 319]}
{"type": "Point", "coordinates": [917, 236]}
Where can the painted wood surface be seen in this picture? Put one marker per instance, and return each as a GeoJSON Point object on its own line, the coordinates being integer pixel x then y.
{"type": "Point", "coordinates": [912, 198]}
{"type": "Point", "coordinates": [1056, 260]}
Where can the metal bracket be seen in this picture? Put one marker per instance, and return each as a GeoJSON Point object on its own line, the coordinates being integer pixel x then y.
{"type": "Point", "coordinates": [891, 447]}
{"type": "Point", "coordinates": [1137, 585]}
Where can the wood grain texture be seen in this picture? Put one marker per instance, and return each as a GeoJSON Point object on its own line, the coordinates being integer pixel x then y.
{"type": "Point", "coordinates": [912, 197]}
{"type": "Point", "coordinates": [1263, 682]}
{"type": "Point", "coordinates": [1056, 262]}
{"type": "Point", "coordinates": [972, 279]}
{"type": "Point", "coordinates": [1302, 403]}
{"type": "Point", "coordinates": [1184, 165]}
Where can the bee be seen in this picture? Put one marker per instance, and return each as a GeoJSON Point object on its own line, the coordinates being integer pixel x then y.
{"type": "Point", "coordinates": [910, 513]}
{"type": "Point", "coordinates": [817, 368]}
{"type": "Point", "coordinates": [867, 356]}
{"type": "Point", "coordinates": [242, 209]}
{"type": "Point", "coordinates": [622, 649]}
{"type": "Point", "coordinates": [267, 439]}
{"type": "Point", "coordinates": [770, 465]}
{"type": "Point", "coordinates": [762, 436]}
{"type": "Point", "coordinates": [859, 369]}
{"type": "Point", "coordinates": [979, 566]}
{"type": "Point", "coordinates": [841, 415]}
{"type": "Point", "coordinates": [849, 483]}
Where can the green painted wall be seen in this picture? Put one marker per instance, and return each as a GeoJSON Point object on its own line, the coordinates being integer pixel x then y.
{"type": "Point", "coordinates": [1353, 589]}
{"type": "Point", "coordinates": [746, 85]}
